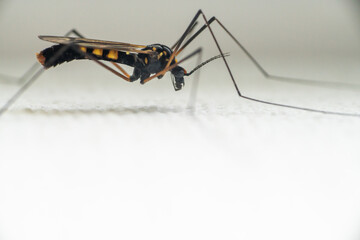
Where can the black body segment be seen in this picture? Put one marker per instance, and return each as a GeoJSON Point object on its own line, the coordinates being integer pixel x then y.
{"type": "Point", "coordinates": [156, 61]}
{"type": "Point", "coordinates": [147, 61]}
{"type": "Point", "coordinates": [46, 57]}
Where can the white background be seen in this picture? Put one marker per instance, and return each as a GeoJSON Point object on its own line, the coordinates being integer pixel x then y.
{"type": "Point", "coordinates": [85, 155]}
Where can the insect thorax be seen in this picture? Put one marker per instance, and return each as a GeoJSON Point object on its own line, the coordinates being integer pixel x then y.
{"type": "Point", "coordinates": [156, 60]}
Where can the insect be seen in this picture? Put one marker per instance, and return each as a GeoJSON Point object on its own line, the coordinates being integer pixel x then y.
{"type": "Point", "coordinates": [148, 61]}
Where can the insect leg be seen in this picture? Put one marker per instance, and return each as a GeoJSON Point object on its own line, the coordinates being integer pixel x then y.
{"type": "Point", "coordinates": [126, 77]}
{"type": "Point", "coordinates": [182, 38]}
{"type": "Point", "coordinates": [189, 33]}
{"type": "Point", "coordinates": [75, 32]}
{"type": "Point", "coordinates": [121, 69]}
{"type": "Point", "coordinates": [176, 47]}
{"type": "Point", "coordinates": [35, 67]}
{"type": "Point", "coordinates": [195, 84]}
{"type": "Point", "coordinates": [29, 82]}
{"type": "Point", "coordinates": [32, 74]}
{"type": "Point", "coordinates": [40, 71]}
{"type": "Point", "coordinates": [255, 62]}
{"type": "Point", "coordinates": [265, 74]}
{"type": "Point", "coordinates": [16, 80]}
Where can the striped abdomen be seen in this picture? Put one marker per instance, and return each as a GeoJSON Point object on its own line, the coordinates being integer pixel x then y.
{"type": "Point", "coordinates": [54, 55]}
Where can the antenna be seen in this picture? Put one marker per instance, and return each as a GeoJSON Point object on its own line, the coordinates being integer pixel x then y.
{"type": "Point", "coordinates": [206, 62]}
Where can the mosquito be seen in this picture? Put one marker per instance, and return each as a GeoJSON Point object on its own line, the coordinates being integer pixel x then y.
{"type": "Point", "coordinates": [148, 61]}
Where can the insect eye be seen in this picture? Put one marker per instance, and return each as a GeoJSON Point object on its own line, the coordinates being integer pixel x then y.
{"type": "Point", "coordinates": [178, 72]}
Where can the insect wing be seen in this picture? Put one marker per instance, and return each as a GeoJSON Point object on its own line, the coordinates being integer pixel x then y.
{"type": "Point", "coordinates": [93, 43]}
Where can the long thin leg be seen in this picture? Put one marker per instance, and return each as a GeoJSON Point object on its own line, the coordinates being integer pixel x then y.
{"type": "Point", "coordinates": [28, 83]}
{"type": "Point", "coordinates": [75, 32]}
{"type": "Point", "coordinates": [21, 91]}
{"type": "Point", "coordinates": [258, 100]}
{"type": "Point", "coordinates": [34, 68]}
{"type": "Point", "coordinates": [56, 56]}
{"type": "Point", "coordinates": [121, 69]}
{"type": "Point", "coordinates": [39, 72]}
{"type": "Point", "coordinates": [188, 33]}
{"type": "Point", "coordinates": [34, 73]}
{"type": "Point", "coordinates": [16, 80]}
{"type": "Point", "coordinates": [182, 38]}
{"type": "Point", "coordinates": [176, 47]}
{"type": "Point", "coordinates": [260, 68]}
{"type": "Point", "coordinates": [126, 78]}
{"type": "Point", "coordinates": [195, 85]}
{"type": "Point", "coordinates": [265, 73]}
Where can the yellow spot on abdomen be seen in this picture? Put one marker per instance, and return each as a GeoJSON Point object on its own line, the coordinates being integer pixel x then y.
{"type": "Point", "coordinates": [113, 54]}
{"type": "Point", "coordinates": [146, 60]}
{"type": "Point", "coordinates": [83, 49]}
{"type": "Point", "coordinates": [97, 52]}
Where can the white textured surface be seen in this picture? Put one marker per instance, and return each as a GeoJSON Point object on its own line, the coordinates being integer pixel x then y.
{"type": "Point", "coordinates": [142, 167]}
{"type": "Point", "coordinates": [84, 155]}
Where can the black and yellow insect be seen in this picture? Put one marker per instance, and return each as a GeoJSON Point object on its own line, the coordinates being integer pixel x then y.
{"type": "Point", "coordinates": [148, 61]}
{"type": "Point", "coordinates": [145, 60]}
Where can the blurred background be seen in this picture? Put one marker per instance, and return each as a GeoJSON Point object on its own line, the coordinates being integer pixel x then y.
{"type": "Point", "coordinates": [275, 27]}
{"type": "Point", "coordinates": [84, 154]}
